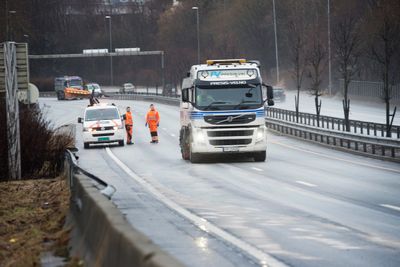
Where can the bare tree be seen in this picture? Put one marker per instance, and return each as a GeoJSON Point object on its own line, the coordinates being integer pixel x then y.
{"type": "Point", "coordinates": [385, 47]}
{"type": "Point", "coordinates": [316, 61]}
{"type": "Point", "coordinates": [347, 41]}
{"type": "Point", "coordinates": [297, 39]}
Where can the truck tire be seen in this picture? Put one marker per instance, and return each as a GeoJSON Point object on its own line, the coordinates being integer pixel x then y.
{"type": "Point", "coordinates": [260, 156]}
{"type": "Point", "coordinates": [121, 143]}
{"type": "Point", "coordinates": [85, 145]}
{"type": "Point", "coordinates": [184, 143]}
{"type": "Point", "coordinates": [195, 157]}
{"type": "Point", "coordinates": [60, 95]}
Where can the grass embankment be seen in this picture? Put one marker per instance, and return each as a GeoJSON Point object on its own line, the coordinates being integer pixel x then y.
{"type": "Point", "coordinates": [32, 219]}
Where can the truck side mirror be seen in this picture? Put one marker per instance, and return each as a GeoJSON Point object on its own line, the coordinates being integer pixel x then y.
{"type": "Point", "coordinates": [80, 120]}
{"type": "Point", "coordinates": [270, 95]}
{"type": "Point", "coordinates": [185, 95]}
{"type": "Point", "coordinates": [270, 92]}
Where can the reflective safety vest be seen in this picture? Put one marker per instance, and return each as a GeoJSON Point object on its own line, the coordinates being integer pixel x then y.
{"type": "Point", "coordinates": [152, 119]}
{"type": "Point", "coordinates": [128, 118]}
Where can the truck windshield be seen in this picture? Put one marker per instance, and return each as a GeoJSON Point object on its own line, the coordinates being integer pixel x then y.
{"type": "Point", "coordinates": [228, 98]}
{"type": "Point", "coordinates": [76, 83]}
{"type": "Point", "coordinates": [101, 114]}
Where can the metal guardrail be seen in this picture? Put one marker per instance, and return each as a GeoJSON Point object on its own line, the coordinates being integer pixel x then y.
{"type": "Point", "coordinates": [333, 123]}
{"type": "Point", "coordinates": [377, 147]}
{"type": "Point", "coordinates": [72, 168]}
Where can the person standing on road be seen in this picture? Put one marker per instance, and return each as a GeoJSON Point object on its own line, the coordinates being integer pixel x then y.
{"type": "Point", "coordinates": [128, 125]}
{"type": "Point", "coordinates": [153, 121]}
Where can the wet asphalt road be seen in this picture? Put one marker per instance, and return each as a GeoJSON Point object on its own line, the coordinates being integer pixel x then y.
{"type": "Point", "coordinates": [307, 205]}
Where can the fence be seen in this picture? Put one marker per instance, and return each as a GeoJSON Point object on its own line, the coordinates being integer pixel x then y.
{"type": "Point", "coordinates": [333, 123]}
{"type": "Point", "coordinates": [370, 89]}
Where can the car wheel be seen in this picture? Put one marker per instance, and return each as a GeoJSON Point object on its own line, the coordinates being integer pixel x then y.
{"type": "Point", "coordinates": [86, 145]}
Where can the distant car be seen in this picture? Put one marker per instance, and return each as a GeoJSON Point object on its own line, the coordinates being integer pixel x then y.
{"type": "Point", "coordinates": [279, 94]}
{"type": "Point", "coordinates": [94, 87]}
{"type": "Point", "coordinates": [102, 123]}
{"type": "Point", "coordinates": [127, 88]}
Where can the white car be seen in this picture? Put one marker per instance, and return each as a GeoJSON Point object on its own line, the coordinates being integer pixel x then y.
{"type": "Point", "coordinates": [94, 87]}
{"type": "Point", "coordinates": [127, 88]}
{"type": "Point", "coordinates": [102, 123]}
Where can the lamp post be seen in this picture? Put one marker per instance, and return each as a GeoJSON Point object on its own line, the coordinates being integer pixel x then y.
{"type": "Point", "coordinates": [110, 43]}
{"type": "Point", "coordinates": [10, 30]}
{"type": "Point", "coordinates": [198, 32]}
{"type": "Point", "coordinates": [276, 44]}
{"type": "Point", "coordinates": [329, 49]}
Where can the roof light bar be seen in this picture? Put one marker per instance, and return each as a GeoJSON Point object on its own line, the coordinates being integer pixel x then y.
{"type": "Point", "coordinates": [225, 61]}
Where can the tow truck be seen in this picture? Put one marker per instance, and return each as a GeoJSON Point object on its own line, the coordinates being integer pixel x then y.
{"type": "Point", "coordinates": [70, 87]}
{"type": "Point", "coordinates": [222, 110]}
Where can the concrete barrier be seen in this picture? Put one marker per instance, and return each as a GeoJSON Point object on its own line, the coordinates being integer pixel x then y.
{"type": "Point", "coordinates": [102, 235]}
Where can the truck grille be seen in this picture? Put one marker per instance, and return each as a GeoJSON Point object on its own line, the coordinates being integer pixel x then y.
{"type": "Point", "coordinates": [230, 133]}
{"type": "Point", "coordinates": [230, 119]}
{"type": "Point", "coordinates": [229, 142]}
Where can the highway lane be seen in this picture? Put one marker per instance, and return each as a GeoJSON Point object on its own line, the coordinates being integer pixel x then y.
{"type": "Point", "coordinates": [306, 206]}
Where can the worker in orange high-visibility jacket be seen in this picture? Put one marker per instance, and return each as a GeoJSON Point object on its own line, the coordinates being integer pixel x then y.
{"type": "Point", "coordinates": [128, 125]}
{"type": "Point", "coordinates": [153, 121]}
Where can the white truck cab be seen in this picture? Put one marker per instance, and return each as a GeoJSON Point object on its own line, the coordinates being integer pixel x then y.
{"type": "Point", "coordinates": [222, 110]}
{"type": "Point", "coordinates": [102, 123]}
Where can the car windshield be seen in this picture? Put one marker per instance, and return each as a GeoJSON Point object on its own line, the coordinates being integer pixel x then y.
{"type": "Point", "coordinates": [101, 114]}
{"type": "Point", "coordinates": [228, 97]}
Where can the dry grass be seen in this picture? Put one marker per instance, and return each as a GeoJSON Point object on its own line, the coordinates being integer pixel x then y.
{"type": "Point", "coordinates": [32, 217]}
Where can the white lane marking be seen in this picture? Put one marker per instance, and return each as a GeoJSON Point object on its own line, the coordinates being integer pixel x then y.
{"type": "Point", "coordinates": [390, 207]}
{"type": "Point", "coordinates": [336, 158]}
{"type": "Point", "coordinates": [306, 184]}
{"type": "Point", "coordinates": [257, 169]}
{"type": "Point", "coordinates": [262, 257]}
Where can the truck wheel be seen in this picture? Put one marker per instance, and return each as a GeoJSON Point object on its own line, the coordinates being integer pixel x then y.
{"type": "Point", "coordinates": [260, 156]}
{"type": "Point", "coordinates": [195, 157]}
{"type": "Point", "coordinates": [121, 143]}
{"type": "Point", "coordinates": [184, 144]}
{"type": "Point", "coordinates": [60, 95]}
{"type": "Point", "coordinates": [85, 145]}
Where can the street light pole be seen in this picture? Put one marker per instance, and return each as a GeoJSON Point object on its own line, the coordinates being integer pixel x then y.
{"type": "Point", "coordinates": [329, 49]}
{"type": "Point", "coordinates": [111, 58]}
{"type": "Point", "coordinates": [276, 44]}
{"type": "Point", "coordinates": [10, 30]}
{"type": "Point", "coordinates": [198, 32]}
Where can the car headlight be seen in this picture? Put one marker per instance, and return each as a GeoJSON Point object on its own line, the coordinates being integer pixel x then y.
{"type": "Point", "coordinates": [198, 136]}
{"type": "Point", "coordinates": [260, 134]}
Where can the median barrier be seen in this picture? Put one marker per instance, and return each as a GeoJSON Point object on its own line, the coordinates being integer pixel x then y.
{"type": "Point", "coordinates": [101, 234]}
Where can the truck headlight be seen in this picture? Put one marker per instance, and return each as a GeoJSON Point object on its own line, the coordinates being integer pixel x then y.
{"type": "Point", "coordinates": [198, 136]}
{"type": "Point", "coordinates": [260, 134]}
